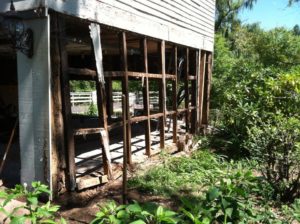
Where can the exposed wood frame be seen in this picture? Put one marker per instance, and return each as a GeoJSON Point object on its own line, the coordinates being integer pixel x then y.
{"type": "Point", "coordinates": [125, 90]}
{"type": "Point", "coordinates": [174, 97]}
{"type": "Point", "coordinates": [186, 90]}
{"type": "Point", "coordinates": [69, 138]}
{"type": "Point", "coordinates": [201, 82]}
{"type": "Point", "coordinates": [57, 124]}
{"type": "Point", "coordinates": [207, 87]}
{"type": "Point", "coordinates": [146, 99]}
{"type": "Point", "coordinates": [162, 94]}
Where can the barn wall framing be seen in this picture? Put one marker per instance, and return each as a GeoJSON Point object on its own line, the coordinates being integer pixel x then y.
{"type": "Point", "coordinates": [196, 80]}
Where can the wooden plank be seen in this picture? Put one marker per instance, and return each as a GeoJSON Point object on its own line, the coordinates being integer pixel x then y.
{"type": "Point", "coordinates": [146, 99]}
{"type": "Point", "coordinates": [57, 124]}
{"type": "Point", "coordinates": [207, 88]}
{"type": "Point", "coordinates": [86, 131]}
{"type": "Point", "coordinates": [118, 74]}
{"type": "Point", "coordinates": [155, 116]}
{"type": "Point", "coordinates": [162, 94]}
{"type": "Point", "coordinates": [69, 138]}
{"type": "Point", "coordinates": [174, 96]}
{"type": "Point", "coordinates": [101, 99]}
{"type": "Point", "coordinates": [84, 183]}
{"type": "Point", "coordinates": [83, 72]}
{"type": "Point", "coordinates": [125, 90]}
{"type": "Point", "coordinates": [186, 91]}
{"type": "Point", "coordinates": [201, 88]}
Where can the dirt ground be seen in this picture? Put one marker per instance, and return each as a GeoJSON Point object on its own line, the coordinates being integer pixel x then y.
{"type": "Point", "coordinates": [81, 207]}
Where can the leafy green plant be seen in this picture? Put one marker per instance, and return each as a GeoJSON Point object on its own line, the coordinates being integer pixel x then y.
{"type": "Point", "coordinates": [276, 145]}
{"type": "Point", "coordinates": [33, 212]}
{"type": "Point", "coordinates": [92, 110]}
{"type": "Point", "coordinates": [135, 214]}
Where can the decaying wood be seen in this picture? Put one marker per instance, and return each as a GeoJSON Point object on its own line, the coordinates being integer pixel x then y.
{"type": "Point", "coordinates": [67, 114]}
{"type": "Point", "coordinates": [201, 89]}
{"type": "Point", "coordinates": [174, 96]}
{"type": "Point", "coordinates": [162, 94]}
{"type": "Point", "coordinates": [121, 74]}
{"type": "Point", "coordinates": [146, 99]}
{"type": "Point", "coordinates": [84, 183]}
{"type": "Point", "coordinates": [186, 90]}
{"type": "Point", "coordinates": [207, 88]}
{"type": "Point", "coordinates": [125, 90]}
{"type": "Point", "coordinates": [101, 98]}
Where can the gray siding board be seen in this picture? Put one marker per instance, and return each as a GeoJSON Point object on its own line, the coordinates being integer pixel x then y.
{"type": "Point", "coordinates": [158, 13]}
{"type": "Point", "coordinates": [170, 20]}
{"type": "Point", "coordinates": [173, 11]}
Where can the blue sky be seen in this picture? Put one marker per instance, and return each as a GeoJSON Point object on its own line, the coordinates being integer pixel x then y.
{"type": "Point", "coordinates": [272, 13]}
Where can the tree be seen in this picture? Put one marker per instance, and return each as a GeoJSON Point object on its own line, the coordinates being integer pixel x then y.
{"type": "Point", "coordinates": [227, 13]}
{"type": "Point", "coordinates": [296, 30]}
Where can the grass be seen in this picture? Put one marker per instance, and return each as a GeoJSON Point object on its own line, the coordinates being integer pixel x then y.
{"type": "Point", "coordinates": [190, 182]}
{"type": "Point", "coordinates": [197, 172]}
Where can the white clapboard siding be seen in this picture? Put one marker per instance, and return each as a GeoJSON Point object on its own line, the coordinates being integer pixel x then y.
{"type": "Point", "coordinates": [186, 22]}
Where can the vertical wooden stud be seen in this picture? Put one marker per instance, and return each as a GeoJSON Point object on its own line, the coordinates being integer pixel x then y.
{"type": "Point", "coordinates": [187, 94]}
{"type": "Point", "coordinates": [206, 103]}
{"type": "Point", "coordinates": [174, 97]}
{"type": "Point", "coordinates": [125, 89]}
{"type": "Point", "coordinates": [201, 88]}
{"type": "Point", "coordinates": [146, 100]}
{"type": "Point", "coordinates": [162, 102]}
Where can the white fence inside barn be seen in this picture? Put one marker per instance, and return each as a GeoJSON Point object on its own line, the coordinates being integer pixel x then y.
{"type": "Point", "coordinates": [80, 101]}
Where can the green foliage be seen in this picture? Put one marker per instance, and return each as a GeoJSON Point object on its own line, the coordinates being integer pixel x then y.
{"type": "Point", "coordinates": [92, 110]}
{"type": "Point", "coordinates": [34, 213]}
{"type": "Point", "coordinates": [135, 213]}
{"type": "Point", "coordinates": [276, 145]}
{"type": "Point", "coordinates": [209, 189]}
{"type": "Point", "coordinates": [82, 86]}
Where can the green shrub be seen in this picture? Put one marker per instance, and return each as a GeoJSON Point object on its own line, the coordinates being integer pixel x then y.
{"type": "Point", "coordinates": [34, 213]}
{"type": "Point", "coordinates": [276, 146]}
{"type": "Point", "coordinates": [135, 213]}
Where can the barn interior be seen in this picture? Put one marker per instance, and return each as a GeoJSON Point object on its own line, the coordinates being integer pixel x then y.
{"type": "Point", "coordinates": [9, 141]}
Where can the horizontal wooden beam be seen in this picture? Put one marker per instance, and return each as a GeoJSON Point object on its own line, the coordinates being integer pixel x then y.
{"type": "Point", "coordinates": [117, 74]}
{"type": "Point", "coordinates": [82, 74]}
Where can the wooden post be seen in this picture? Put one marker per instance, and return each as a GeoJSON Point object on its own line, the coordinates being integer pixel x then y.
{"type": "Point", "coordinates": [67, 113]}
{"type": "Point", "coordinates": [125, 150]}
{"type": "Point", "coordinates": [162, 94]}
{"type": "Point", "coordinates": [201, 89]}
{"type": "Point", "coordinates": [206, 102]}
{"type": "Point", "coordinates": [57, 123]}
{"type": "Point", "coordinates": [125, 90]}
{"type": "Point", "coordinates": [146, 100]}
{"type": "Point", "coordinates": [187, 94]}
{"type": "Point", "coordinates": [174, 90]}
{"type": "Point", "coordinates": [101, 105]}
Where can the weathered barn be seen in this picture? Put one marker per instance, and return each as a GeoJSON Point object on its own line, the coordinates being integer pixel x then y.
{"type": "Point", "coordinates": [165, 45]}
